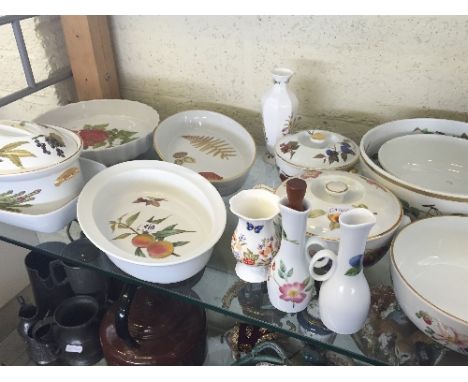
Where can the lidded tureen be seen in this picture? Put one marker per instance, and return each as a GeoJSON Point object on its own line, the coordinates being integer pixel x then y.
{"type": "Point", "coordinates": [39, 168]}
{"type": "Point", "coordinates": [314, 150]}
{"type": "Point", "coordinates": [330, 193]}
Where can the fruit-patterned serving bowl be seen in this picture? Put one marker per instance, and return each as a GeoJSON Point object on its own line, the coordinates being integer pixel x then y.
{"type": "Point", "coordinates": [429, 269]}
{"type": "Point", "coordinates": [112, 130]}
{"type": "Point", "coordinates": [156, 221]}
{"type": "Point", "coordinates": [212, 144]}
{"type": "Point", "coordinates": [39, 167]}
{"type": "Point", "coordinates": [419, 201]}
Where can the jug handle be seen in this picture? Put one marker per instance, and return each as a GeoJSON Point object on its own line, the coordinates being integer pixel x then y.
{"type": "Point", "coordinates": [53, 265]}
{"type": "Point", "coordinates": [318, 242]}
{"type": "Point", "coordinates": [121, 315]}
{"type": "Point", "coordinates": [318, 260]}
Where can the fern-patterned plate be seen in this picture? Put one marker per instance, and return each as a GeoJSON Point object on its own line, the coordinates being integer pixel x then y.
{"type": "Point", "coordinates": [212, 144]}
{"type": "Point", "coordinates": [112, 130]}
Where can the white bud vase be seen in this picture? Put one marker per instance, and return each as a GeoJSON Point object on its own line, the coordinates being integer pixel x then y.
{"type": "Point", "coordinates": [279, 108]}
{"type": "Point", "coordinates": [344, 297]}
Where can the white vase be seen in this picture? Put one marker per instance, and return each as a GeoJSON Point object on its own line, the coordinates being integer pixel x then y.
{"type": "Point", "coordinates": [344, 297]}
{"type": "Point", "coordinates": [279, 108]}
{"type": "Point", "coordinates": [255, 240]}
{"type": "Point", "coordinates": [290, 287]}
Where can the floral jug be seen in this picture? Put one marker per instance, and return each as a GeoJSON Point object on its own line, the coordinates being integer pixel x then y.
{"type": "Point", "coordinates": [255, 240]}
{"type": "Point", "coordinates": [279, 106]}
{"type": "Point", "coordinates": [344, 298]}
{"type": "Point", "coordinates": [290, 287]}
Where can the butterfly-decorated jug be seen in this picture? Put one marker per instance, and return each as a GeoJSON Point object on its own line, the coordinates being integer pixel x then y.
{"type": "Point", "coordinates": [256, 238]}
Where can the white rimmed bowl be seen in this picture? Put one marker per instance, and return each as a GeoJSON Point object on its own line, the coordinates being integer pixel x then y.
{"type": "Point", "coordinates": [39, 167]}
{"type": "Point", "coordinates": [418, 201]}
{"type": "Point", "coordinates": [154, 220]}
{"type": "Point", "coordinates": [434, 162]}
{"type": "Point", "coordinates": [112, 130]}
{"type": "Point", "coordinates": [429, 268]}
{"type": "Point", "coordinates": [208, 143]}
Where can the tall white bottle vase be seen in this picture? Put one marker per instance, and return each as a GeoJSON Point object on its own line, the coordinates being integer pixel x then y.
{"type": "Point", "coordinates": [279, 108]}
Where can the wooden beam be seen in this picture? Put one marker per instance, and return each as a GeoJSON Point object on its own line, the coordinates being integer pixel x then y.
{"type": "Point", "coordinates": [91, 56]}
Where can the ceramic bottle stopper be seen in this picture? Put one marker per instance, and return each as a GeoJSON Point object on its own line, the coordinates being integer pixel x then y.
{"type": "Point", "coordinates": [290, 287]}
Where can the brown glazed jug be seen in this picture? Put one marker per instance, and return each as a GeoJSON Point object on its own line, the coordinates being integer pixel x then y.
{"type": "Point", "coordinates": [145, 327]}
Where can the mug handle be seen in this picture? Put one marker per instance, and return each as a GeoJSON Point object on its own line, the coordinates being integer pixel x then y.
{"type": "Point", "coordinates": [319, 242]}
{"type": "Point", "coordinates": [54, 266]}
{"type": "Point", "coordinates": [318, 259]}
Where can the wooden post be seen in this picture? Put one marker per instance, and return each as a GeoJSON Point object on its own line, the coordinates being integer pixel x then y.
{"type": "Point", "coordinates": [91, 56]}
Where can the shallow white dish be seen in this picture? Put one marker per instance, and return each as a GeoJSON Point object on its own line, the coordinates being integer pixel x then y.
{"type": "Point", "coordinates": [435, 162]}
{"type": "Point", "coordinates": [54, 220]}
{"type": "Point", "coordinates": [429, 268]}
{"type": "Point", "coordinates": [209, 143]}
{"type": "Point", "coordinates": [112, 130]}
{"type": "Point", "coordinates": [154, 220]}
{"type": "Point", "coordinates": [418, 201]}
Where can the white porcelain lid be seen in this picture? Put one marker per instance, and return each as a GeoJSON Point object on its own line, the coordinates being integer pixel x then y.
{"type": "Point", "coordinates": [430, 255]}
{"type": "Point", "coordinates": [317, 149]}
{"type": "Point", "coordinates": [28, 146]}
{"type": "Point", "coordinates": [330, 193]}
{"type": "Point", "coordinates": [432, 161]}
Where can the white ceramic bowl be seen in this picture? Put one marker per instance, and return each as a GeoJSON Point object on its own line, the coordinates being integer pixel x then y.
{"type": "Point", "coordinates": [429, 268]}
{"type": "Point", "coordinates": [314, 150]}
{"type": "Point", "coordinates": [112, 130]}
{"type": "Point", "coordinates": [418, 201]}
{"type": "Point", "coordinates": [154, 220]}
{"type": "Point", "coordinates": [39, 167]}
{"type": "Point", "coordinates": [209, 143]}
{"type": "Point", "coordinates": [434, 162]}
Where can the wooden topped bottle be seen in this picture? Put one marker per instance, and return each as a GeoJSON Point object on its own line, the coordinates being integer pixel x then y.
{"type": "Point", "coordinates": [290, 287]}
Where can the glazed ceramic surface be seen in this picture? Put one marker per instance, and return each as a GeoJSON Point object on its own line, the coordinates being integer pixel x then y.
{"type": "Point", "coordinates": [256, 238]}
{"type": "Point", "coordinates": [39, 167]}
{"type": "Point", "coordinates": [314, 150]}
{"type": "Point", "coordinates": [155, 220]}
{"type": "Point", "coordinates": [344, 297]}
{"type": "Point", "coordinates": [333, 192]}
{"type": "Point", "coordinates": [209, 143]}
{"type": "Point", "coordinates": [429, 268]}
{"type": "Point", "coordinates": [279, 108]}
{"type": "Point", "coordinates": [112, 130]}
{"type": "Point", "coordinates": [434, 162]}
{"type": "Point", "coordinates": [51, 221]}
{"type": "Point", "coordinates": [418, 201]}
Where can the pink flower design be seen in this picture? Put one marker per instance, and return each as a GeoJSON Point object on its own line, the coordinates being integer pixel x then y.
{"type": "Point", "coordinates": [293, 292]}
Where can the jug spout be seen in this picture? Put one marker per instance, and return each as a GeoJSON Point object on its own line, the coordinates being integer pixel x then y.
{"type": "Point", "coordinates": [355, 226]}
{"type": "Point", "coordinates": [255, 205]}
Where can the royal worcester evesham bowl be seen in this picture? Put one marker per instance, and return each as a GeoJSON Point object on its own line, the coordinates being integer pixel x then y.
{"type": "Point", "coordinates": [112, 130]}
{"type": "Point", "coordinates": [333, 192]}
{"type": "Point", "coordinates": [209, 143]}
{"type": "Point", "coordinates": [39, 167]}
{"type": "Point", "coordinates": [429, 268]}
{"type": "Point", "coordinates": [434, 162]}
{"type": "Point", "coordinates": [314, 150]}
{"type": "Point", "coordinates": [156, 221]}
{"type": "Point", "coordinates": [418, 201]}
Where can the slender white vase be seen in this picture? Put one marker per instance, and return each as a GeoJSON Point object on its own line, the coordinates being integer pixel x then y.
{"type": "Point", "coordinates": [255, 240]}
{"type": "Point", "coordinates": [290, 287]}
{"type": "Point", "coordinates": [344, 297]}
{"type": "Point", "coordinates": [279, 108]}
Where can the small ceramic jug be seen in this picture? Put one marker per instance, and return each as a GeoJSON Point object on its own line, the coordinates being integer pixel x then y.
{"type": "Point", "coordinates": [290, 287]}
{"type": "Point", "coordinates": [344, 298]}
{"type": "Point", "coordinates": [279, 106]}
{"type": "Point", "coordinates": [255, 240]}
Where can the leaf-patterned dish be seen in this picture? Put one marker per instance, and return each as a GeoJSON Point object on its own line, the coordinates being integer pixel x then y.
{"type": "Point", "coordinates": [112, 130]}
{"type": "Point", "coordinates": [209, 143]}
{"type": "Point", "coordinates": [156, 221]}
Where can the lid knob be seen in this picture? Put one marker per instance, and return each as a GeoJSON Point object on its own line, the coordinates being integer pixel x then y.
{"type": "Point", "coordinates": [296, 189]}
{"type": "Point", "coordinates": [317, 136]}
{"type": "Point", "coordinates": [336, 189]}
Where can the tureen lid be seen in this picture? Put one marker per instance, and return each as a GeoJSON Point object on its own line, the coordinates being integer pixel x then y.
{"type": "Point", "coordinates": [28, 146]}
{"type": "Point", "coordinates": [318, 149]}
{"type": "Point", "coordinates": [331, 193]}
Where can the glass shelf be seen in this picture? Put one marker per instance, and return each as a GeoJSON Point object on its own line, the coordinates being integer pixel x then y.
{"type": "Point", "coordinates": [218, 288]}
